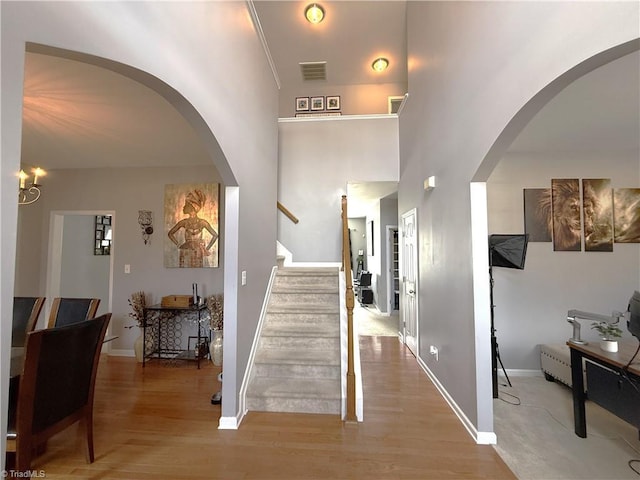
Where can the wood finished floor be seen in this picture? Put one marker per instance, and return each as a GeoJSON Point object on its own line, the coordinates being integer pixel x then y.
{"type": "Point", "coordinates": [160, 424]}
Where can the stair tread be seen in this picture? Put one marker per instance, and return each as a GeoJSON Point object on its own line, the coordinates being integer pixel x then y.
{"type": "Point", "coordinates": [295, 388]}
{"type": "Point", "coordinates": [292, 356]}
{"type": "Point", "coordinates": [308, 271]}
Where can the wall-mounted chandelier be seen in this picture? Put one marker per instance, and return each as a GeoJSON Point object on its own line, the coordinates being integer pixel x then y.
{"type": "Point", "coordinates": [29, 191]}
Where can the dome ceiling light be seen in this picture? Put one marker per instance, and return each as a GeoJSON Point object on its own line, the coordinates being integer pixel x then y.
{"type": "Point", "coordinates": [380, 64]}
{"type": "Point", "coordinates": [314, 13]}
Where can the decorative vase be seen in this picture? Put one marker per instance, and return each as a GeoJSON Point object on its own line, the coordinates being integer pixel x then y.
{"type": "Point", "coordinates": [137, 346]}
{"type": "Point", "coordinates": [609, 345]}
{"type": "Point", "coordinates": [215, 349]}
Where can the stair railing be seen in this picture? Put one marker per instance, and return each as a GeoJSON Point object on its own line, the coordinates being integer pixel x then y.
{"type": "Point", "coordinates": [346, 266]}
{"type": "Point", "coordinates": [286, 211]}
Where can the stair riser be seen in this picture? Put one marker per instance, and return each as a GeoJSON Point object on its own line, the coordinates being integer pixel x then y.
{"type": "Point", "coordinates": [301, 330]}
{"type": "Point", "coordinates": [331, 344]}
{"type": "Point", "coordinates": [297, 371]}
{"type": "Point", "coordinates": [294, 405]}
{"type": "Point", "coordinates": [302, 319]}
{"type": "Point", "coordinates": [304, 299]}
{"type": "Point", "coordinates": [319, 282]}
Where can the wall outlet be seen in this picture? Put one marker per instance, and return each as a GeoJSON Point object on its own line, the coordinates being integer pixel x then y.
{"type": "Point", "coordinates": [244, 277]}
{"type": "Point", "coordinates": [127, 268]}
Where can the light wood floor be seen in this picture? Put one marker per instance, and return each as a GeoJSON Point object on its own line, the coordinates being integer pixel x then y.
{"type": "Point", "coordinates": [160, 424]}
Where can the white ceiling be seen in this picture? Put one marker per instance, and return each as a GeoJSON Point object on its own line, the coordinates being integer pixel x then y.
{"type": "Point", "coordinates": [82, 116]}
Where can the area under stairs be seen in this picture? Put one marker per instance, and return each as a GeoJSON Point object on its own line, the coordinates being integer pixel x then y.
{"type": "Point", "coordinates": [297, 361]}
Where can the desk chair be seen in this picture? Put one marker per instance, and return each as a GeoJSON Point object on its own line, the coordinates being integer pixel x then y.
{"type": "Point", "coordinates": [66, 311]}
{"type": "Point", "coordinates": [25, 316]}
{"type": "Point", "coordinates": [56, 387]}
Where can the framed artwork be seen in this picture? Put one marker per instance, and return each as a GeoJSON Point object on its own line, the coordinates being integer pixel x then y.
{"type": "Point", "coordinates": [317, 103]}
{"type": "Point", "coordinates": [626, 216]}
{"type": "Point", "coordinates": [302, 104]}
{"type": "Point", "coordinates": [191, 224]}
{"type": "Point", "coordinates": [565, 208]}
{"type": "Point", "coordinates": [597, 212]}
{"type": "Point", "coordinates": [370, 238]}
{"type": "Point", "coordinates": [537, 214]}
{"type": "Point", "coordinates": [333, 103]}
{"type": "Point", "coordinates": [102, 235]}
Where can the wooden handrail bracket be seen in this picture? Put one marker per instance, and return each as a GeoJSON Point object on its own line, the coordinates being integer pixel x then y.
{"type": "Point", "coordinates": [290, 215]}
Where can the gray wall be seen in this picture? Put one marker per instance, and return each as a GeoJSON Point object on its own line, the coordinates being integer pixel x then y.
{"type": "Point", "coordinates": [358, 242]}
{"type": "Point", "coordinates": [388, 217]}
{"type": "Point", "coordinates": [83, 274]}
{"type": "Point", "coordinates": [317, 159]}
{"type": "Point", "coordinates": [532, 304]}
{"type": "Point", "coordinates": [473, 75]}
{"type": "Point", "coordinates": [235, 116]}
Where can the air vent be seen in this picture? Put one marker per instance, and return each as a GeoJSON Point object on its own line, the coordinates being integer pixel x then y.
{"type": "Point", "coordinates": [395, 103]}
{"type": "Point", "coordinates": [314, 70]}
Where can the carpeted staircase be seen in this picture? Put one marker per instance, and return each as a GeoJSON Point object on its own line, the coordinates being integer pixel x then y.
{"type": "Point", "coordinates": [297, 362]}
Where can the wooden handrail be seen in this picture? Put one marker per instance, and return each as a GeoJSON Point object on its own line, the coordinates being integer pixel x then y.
{"type": "Point", "coordinates": [346, 266]}
{"type": "Point", "coordinates": [284, 210]}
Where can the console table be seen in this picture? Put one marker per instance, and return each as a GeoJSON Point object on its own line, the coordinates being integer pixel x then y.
{"type": "Point", "coordinates": [607, 386]}
{"type": "Point", "coordinates": [160, 322]}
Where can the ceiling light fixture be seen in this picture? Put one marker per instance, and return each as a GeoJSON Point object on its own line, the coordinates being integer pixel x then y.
{"type": "Point", "coordinates": [29, 193]}
{"type": "Point", "coordinates": [314, 13]}
{"type": "Point", "coordinates": [380, 64]}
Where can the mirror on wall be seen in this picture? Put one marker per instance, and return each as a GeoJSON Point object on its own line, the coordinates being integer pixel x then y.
{"type": "Point", "coordinates": [102, 238]}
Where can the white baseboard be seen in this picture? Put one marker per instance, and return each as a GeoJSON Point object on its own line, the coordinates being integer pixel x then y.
{"type": "Point", "coordinates": [481, 438]}
{"type": "Point", "coordinates": [228, 423]}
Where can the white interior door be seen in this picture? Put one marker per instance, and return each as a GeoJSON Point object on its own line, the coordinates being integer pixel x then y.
{"type": "Point", "coordinates": [409, 276]}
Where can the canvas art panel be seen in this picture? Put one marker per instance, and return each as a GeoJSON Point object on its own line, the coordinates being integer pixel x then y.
{"type": "Point", "coordinates": [191, 222]}
{"type": "Point", "coordinates": [626, 215]}
{"type": "Point", "coordinates": [597, 212]}
{"type": "Point", "coordinates": [565, 201]}
{"type": "Point", "coordinates": [537, 214]}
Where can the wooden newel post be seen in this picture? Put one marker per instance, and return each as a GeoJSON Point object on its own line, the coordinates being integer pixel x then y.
{"type": "Point", "coordinates": [350, 302]}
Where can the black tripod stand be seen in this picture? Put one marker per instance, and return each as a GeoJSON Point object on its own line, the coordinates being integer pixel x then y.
{"type": "Point", "coordinates": [495, 352]}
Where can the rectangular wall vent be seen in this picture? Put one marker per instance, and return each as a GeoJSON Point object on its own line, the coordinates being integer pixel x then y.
{"type": "Point", "coordinates": [395, 103]}
{"type": "Point", "coordinates": [314, 70]}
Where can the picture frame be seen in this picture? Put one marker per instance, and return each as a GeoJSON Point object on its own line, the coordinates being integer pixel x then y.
{"type": "Point", "coordinates": [302, 104]}
{"type": "Point", "coordinates": [333, 102]}
{"type": "Point", "coordinates": [317, 103]}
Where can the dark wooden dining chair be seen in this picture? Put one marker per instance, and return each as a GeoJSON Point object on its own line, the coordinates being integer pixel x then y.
{"type": "Point", "coordinates": [66, 311]}
{"type": "Point", "coordinates": [25, 316]}
{"type": "Point", "coordinates": [56, 387]}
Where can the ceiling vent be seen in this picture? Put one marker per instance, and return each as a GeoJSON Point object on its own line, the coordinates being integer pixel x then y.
{"type": "Point", "coordinates": [314, 70]}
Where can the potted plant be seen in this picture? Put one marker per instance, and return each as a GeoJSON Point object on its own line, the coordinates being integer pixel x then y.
{"type": "Point", "coordinates": [608, 333]}
{"type": "Point", "coordinates": [137, 302]}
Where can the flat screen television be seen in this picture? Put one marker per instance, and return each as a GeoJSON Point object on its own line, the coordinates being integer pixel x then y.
{"type": "Point", "coordinates": [633, 324]}
{"type": "Point", "coordinates": [508, 250]}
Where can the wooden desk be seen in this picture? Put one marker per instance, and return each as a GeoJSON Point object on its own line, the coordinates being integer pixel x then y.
{"type": "Point", "coordinates": [613, 361]}
{"type": "Point", "coordinates": [163, 318]}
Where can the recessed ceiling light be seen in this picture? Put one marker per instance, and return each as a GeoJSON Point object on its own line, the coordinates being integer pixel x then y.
{"type": "Point", "coordinates": [380, 64]}
{"type": "Point", "coordinates": [314, 13]}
